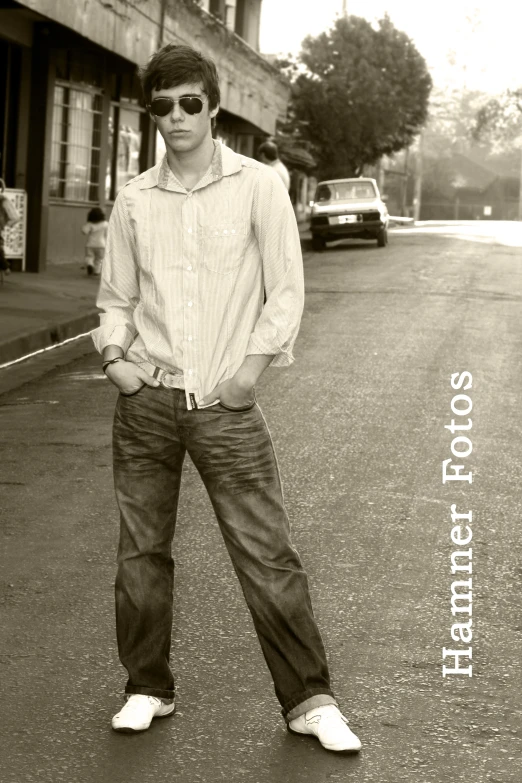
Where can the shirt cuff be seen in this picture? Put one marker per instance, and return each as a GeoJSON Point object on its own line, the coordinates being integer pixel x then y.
{"type": "Point", "coordinates": [282, 357]}
{"type": "Point", "coordinates": [112, 334]}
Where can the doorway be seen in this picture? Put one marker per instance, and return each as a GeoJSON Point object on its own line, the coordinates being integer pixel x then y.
{"type": "Point", "coordinates": [10, 71]}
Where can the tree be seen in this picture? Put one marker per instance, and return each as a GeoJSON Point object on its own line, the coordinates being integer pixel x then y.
{"type": "Point", "coordinates": [448, 131]}
{"type": "Point", "coordinates": [499, 120]}
{"type": "Point", "coordinates": [359, 91]}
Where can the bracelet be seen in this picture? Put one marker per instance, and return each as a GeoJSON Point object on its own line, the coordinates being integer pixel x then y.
{"type": "Point", "coordinates": [111, 361]}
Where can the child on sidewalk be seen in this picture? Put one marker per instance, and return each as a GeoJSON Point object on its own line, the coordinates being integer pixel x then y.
{"type": "Point", "coordinates": [96, 231]}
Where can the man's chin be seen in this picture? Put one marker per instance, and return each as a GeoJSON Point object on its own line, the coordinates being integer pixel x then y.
{"type": "Point", "coordinates": [181, 142]}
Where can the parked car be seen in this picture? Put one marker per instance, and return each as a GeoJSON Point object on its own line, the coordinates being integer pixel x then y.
{"type": "Point", "coordinates": [351, 208]}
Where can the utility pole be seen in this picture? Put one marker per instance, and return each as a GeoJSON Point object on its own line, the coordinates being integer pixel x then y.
{"type": "Point", "coordinates": [417, 193]}
{"type": "Point", "coordinates": [520, 189]}
{"type": "Point", "coordinates": [345, 10]}
{"type": "Point", "coordinates": [404, 190]}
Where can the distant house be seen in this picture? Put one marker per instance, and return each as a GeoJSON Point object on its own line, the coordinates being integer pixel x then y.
{"type": "Point", "coordinates": [472, 186]}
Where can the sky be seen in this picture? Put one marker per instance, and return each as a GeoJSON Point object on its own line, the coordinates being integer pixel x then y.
{"type": "Point", "coordinates": [471, 43]}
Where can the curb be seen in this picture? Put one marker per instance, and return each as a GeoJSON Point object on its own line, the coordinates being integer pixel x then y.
{"type": "Point", "coordinates": [47, 336]}
{"type": "Point", "coordinates": [402, 221]}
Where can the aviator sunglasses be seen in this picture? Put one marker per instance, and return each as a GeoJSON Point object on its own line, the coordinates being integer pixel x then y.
{"type": "Point", "coordinates": [190, 104]}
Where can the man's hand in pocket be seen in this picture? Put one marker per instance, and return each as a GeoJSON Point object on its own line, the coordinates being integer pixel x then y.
{"type": "Point", "coordinates": [128, 377]}
{"type": "Point", "coordinates": [231, 393]}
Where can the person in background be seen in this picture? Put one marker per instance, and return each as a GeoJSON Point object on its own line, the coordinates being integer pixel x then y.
{"type": "Point", "coordinates": [268, 155]}
{"type": "Point", "coordinates": [96, 231]}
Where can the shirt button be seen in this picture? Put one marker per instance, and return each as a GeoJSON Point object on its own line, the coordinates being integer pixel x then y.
{"type": "Point", "coordinates": [233, 230]}
{"type": "Point", "coordinates": [190, 231]}
{"type": "Point", "coordinates": [225, 231]}
{"type": "Point", "coordinates": [190, 338]}
{"type": "Point", "coordinates": [189, 195]}
{"type": "Point", "coordinates": [189, 268]}
{"type": "Point", "coordinates": [190, 372]}
{"type": "Point", "coordinates": [189, 304]}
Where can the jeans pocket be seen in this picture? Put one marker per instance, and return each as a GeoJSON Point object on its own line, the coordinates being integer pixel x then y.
{"type": "Point", "coordinates": [133, 394]}
{"type": "Point", "coordinates": [237, 410]}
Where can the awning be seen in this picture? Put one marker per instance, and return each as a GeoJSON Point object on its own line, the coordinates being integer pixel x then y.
{"type": "Point", "coordinates": [295, 157]}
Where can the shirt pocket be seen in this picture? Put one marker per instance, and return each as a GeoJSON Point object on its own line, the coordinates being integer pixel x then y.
{"type": "Point", "coordinates": [224, 245]}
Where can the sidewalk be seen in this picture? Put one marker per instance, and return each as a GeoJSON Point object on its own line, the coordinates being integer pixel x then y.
{"type": "Point", "coordinates": [40, 310]}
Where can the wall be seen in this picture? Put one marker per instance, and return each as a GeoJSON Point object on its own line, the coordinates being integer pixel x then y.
{"type": "Point", "coordinates": [251, 87]}
{"type": "Point", "coordinates": [254, 94]}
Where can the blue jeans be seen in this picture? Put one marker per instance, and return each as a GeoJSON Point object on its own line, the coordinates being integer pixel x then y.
{"type": "Point", "coordinates": [233, 452]}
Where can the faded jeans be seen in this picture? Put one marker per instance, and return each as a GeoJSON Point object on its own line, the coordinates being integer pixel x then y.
{"type": "Point", "coordinates": [233, 452]}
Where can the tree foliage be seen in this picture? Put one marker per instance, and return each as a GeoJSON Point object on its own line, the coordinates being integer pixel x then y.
{"type": "Point", "coordinates": [499, 120]}
{"type": "Point", "coordinates": [359, 91]}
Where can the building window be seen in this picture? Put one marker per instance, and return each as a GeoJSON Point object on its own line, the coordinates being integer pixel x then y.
{"type": "Point", "coordinates": [217, 8]}
{"type": "Point", "coordinates": [76, 142]}
{"type": "Point", "coordinates": [123, 159]}
{"type": "Point", "coordinates": [240, 20]}
{"type": "Point", "coordinates": [127, 120]}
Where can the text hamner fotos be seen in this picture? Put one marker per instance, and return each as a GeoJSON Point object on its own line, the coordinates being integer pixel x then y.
{"type": "Point", "coordinates": [461, 533]}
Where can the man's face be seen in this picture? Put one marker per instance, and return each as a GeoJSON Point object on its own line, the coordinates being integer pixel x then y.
{"type": "Point", "coordinates": [184, 132]}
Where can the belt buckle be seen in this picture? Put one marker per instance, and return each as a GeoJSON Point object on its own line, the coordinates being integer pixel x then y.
{"type": "Point", "coordinates": [166, 377]}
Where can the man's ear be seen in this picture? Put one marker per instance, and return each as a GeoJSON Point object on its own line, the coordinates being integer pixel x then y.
{"type": "Point", "coordinates": [212, 113]}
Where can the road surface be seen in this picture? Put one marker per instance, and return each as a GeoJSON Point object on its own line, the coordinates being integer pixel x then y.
{"type": "Point", "coordinates": [359, 427]}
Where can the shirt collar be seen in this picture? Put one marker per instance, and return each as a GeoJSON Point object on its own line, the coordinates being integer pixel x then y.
{"type": "Point", "coordinates": [224, 163]}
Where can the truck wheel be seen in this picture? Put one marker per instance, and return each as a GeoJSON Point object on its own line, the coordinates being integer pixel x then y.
{"type": "Point", "coordinates": [318, 242]}
{"type": "Point", "coordinates": [382, 238]}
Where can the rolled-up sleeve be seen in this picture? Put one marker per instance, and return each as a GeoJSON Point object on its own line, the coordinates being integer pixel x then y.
{"type": "Point", "coordinates": [278, 237]}
{"type": "Point", "coordinates": [119, 289]}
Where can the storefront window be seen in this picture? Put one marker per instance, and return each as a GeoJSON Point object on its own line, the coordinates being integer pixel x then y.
{"type": "Point", "coordinates": [123, 159]}
{"type": "Point", "coordinates": [129, 145]}
{"type": "Point", "coordinates": [76, 141]}
{"type": "Point", "coordinates": [110, 153]}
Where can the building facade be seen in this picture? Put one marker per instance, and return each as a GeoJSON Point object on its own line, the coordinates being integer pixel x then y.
{"type": "Point", "coordinates": [73, 127]}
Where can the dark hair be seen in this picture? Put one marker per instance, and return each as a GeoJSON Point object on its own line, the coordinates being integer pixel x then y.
{"type": "Point", "coordinates": [268, 149]}
{"type": "Point", "coordinates": [178, 64]}
{"type": "Point", "coordinates": [96, 215]}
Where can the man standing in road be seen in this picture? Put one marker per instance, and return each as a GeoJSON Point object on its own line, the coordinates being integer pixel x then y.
{"type": "Point", "coordinates": [193, 243]}
{"type": "Point", "coordinates": [269, 155]}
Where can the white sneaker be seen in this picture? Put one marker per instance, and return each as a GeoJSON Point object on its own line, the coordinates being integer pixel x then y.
{"type": "Point", "coordinates": [138, 712]}
{"type": "Point", "coordinates": [329, 726]}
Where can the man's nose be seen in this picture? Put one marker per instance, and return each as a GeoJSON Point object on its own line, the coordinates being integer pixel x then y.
{"type": "Point", "coordinates": [177, 112]}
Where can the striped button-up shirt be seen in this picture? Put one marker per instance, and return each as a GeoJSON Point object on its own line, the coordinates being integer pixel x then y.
{"type": "Point", "coordinates": [184, 274]}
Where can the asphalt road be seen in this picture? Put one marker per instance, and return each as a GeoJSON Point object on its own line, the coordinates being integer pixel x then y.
{"type": "Point", "coordinates": [359, 427]}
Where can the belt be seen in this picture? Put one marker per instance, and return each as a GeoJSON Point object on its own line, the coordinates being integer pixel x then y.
{"type": "Point", "coordinates": [170, 379]}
